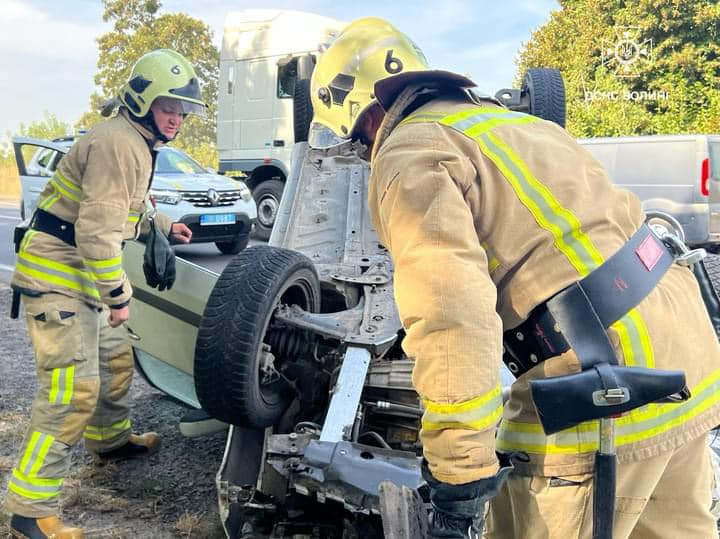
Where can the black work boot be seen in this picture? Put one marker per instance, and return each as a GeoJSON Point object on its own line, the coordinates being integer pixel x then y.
{"type": "Point", "coordinates": [42, 528]}
{"type": "Point", "coordinates": [138, 446]}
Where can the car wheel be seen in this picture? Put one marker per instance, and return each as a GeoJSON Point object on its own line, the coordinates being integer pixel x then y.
{"type": "Point", "coordinates": [267, 196]}
{"type": "Point", "coordinates": [235, 379]}
{"type": "Point", "coordinates": [233, 247]}
{"type": "Point", "coordinates": [547, 94]}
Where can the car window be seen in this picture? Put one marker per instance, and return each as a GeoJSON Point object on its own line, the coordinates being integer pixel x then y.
{"type": "Point", "coordinates": [43, 162]}
{"type": "Point", "coordinates": [171, 161]}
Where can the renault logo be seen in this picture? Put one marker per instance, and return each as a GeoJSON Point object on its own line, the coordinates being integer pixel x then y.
{"type": "Point", "coordinates": [213, 197]}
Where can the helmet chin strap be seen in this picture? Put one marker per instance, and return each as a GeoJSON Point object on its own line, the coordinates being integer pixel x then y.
{"type": "Point", "coordinates": [149, 121]}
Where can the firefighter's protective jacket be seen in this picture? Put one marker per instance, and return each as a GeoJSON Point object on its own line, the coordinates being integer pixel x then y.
{"type": "Point", "coordinates": [487, 213]}
{"type": "Point", "coordinates": [100, 186]}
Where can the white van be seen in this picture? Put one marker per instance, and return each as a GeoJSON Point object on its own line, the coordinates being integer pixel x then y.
{"type": "Point", "coordinates": [264, 52]}
{"type": "Point", "coordinates": [676, 174]}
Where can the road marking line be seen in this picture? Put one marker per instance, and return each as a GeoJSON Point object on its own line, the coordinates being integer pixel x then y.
{"type": "Point", "coordinates": [9, 218]}
{"type": "Point", "coordinates": [7, 268]}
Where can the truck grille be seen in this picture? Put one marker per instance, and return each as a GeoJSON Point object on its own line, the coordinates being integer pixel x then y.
{"type": "Point", "coordinates": [202, 199]}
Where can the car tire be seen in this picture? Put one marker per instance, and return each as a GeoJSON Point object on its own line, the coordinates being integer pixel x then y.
{"type": "Point", "coordinates": [302, 110]}
{"type": "Point", "coordinates": [547, 94]}
{"type": "Point", "coordinates": [233, 332]}
{"type": "Point", "coordinates": [267, 196]}
{"type": "Point", "coordinates": [234, 246]}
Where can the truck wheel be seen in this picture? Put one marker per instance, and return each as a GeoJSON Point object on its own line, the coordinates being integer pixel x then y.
{"type": "Point", "coordinates": [546, 90]}
{"type": "Point", "coordinates": [302, 110]}
{"type": "Point", "coordinates": [234, 246]}
{"type": "Point", "coordinates": [232, 381]}
{"type": "Point", "coordinates": [267, 196]}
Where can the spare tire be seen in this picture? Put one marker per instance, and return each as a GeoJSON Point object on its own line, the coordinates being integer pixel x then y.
{"type": "Point", "coordinates": [302, 110]}
{"type": "Point", "coordinates": [232, 343]}
{"type": "Point", "coordinates": [546, 91]}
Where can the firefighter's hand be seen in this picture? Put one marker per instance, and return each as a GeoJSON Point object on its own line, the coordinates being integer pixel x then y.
{"type": "Point", "coordinates": [180, 233]}
{"type": "Point", "coordinates": [118, 316]}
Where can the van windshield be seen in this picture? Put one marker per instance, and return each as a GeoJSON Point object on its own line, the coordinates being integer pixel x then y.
{"type": "Point", "coordinates": [715, 159]}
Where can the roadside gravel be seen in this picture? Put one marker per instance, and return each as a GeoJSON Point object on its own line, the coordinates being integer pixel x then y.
{"type": "Point", "coordinates": [171, 494]}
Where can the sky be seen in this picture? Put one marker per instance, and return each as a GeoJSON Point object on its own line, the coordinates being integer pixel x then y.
{"type": "Point", "coordinates": [48, 49]}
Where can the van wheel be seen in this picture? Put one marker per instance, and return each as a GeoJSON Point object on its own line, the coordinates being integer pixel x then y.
{"type": "Point", "coordinates": [234, 246]}
{"type": "Point", "coordinates": [267, 196]}
{"type": "Point", "coordinates": [235, 378]}
{"type": "Point", "coordinates": [546, 91]}
{"type": "Point", "coordinates": [302, 110]}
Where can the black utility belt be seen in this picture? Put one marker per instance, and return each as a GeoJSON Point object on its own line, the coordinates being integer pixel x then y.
{"type": "Point", "coordinates": [605, 295]}
{"type": "Point", "coordinates": [48, 223]}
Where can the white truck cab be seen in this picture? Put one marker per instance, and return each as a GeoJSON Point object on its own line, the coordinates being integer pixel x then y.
{"type": "Point", "coordinates": [264, 52]}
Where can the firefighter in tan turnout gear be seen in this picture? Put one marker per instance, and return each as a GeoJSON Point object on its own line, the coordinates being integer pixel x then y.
{"type": "Point", "coordinates": [76, 294]}
{"type": "Point", "coordinates": [488, 214]}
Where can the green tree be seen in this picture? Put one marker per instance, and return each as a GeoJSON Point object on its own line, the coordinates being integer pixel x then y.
{"type": "Point", "coordinates": [139, 27]}
{"type": "Point", "coordinates": [610, 51]}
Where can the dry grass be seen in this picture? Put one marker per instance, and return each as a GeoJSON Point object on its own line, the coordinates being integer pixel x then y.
{"type": "Point", "coordinates": [12, 429]}
{"type": "Point", "coordinates": [79, 494]}
{"type": "Point", "coordinates": [187, 523]}
{"type": "Point", "coordinates": [197, 525]}
{"type": "Point", "coordinates": [9, 182]}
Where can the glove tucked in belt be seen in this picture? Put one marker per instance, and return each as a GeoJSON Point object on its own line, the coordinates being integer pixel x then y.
{"type": "Point", "coordinates": [159, 259]}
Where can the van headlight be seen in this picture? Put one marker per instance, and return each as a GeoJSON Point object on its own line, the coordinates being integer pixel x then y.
{"type": "Point", "coordinates": [166, 197]}
{"type": "Point", "coordinates": [245, 193]}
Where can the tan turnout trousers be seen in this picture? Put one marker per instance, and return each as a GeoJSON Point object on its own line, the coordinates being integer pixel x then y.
{"type": "Point", "coordinates": [84, 369]}
{"type": "Point", "coordinates": [660, 498]}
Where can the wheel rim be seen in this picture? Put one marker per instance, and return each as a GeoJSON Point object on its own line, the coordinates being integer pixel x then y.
{"type": "Point", "coordinates": [267, 210]}
{"type": "Point", "coordinates": [298, 292]}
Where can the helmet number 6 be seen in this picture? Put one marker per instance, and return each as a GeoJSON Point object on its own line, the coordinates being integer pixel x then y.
{"type": "Point", "coordinates": [392, 65]}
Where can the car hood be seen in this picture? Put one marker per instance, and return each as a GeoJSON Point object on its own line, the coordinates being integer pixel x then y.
{"type": "Point", "coordinates": [193, 182]}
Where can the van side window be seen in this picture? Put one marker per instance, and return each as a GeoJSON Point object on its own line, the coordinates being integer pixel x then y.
{"type": "Point", "coordinates": [286, 77]}
{"type": "Point", "coordinates": [715, 160]}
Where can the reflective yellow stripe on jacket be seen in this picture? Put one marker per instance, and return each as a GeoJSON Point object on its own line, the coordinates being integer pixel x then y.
{"type": "Point", "coordinates": [24, 480]}
{"type": "Point", "coordinates": [54, 273]}
{"type": "Point", "coordinates": [478, 413]}
{"type": "Point", "coordinates": [108, 269]}
{"type": "Point", "coordinates": [640, 424]}
{"type": "Point", "coordinates": [577, 247]}
{"type": "Point", "coordinates": [134, 216]}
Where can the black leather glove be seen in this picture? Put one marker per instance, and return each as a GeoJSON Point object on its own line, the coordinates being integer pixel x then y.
{"type": "Point", "coordinates": [458, 511]}
{"type": "Point", "coordinates": [159, 260]}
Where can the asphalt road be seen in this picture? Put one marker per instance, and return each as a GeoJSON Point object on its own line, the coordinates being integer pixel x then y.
{"type": "Point", "coordinates": [202, 254]}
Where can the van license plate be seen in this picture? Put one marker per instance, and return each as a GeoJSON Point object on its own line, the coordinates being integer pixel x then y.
{"type": "Point", "coordinates": [217, 219]}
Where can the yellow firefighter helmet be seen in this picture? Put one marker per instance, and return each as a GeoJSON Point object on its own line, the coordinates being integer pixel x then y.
{"type": "Point", "coordinates": [366, 51]}
{"type": "Point", "coordinates": [162, 73]}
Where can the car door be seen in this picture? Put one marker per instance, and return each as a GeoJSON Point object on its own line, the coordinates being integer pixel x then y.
{"type": "Point", "coordinates": [36, 161]}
